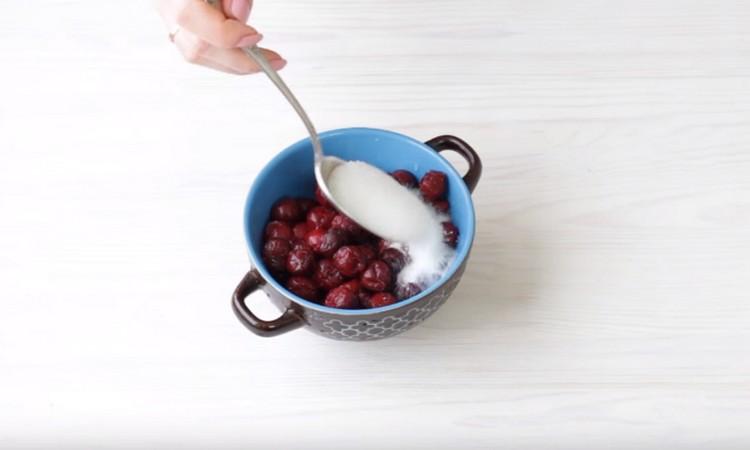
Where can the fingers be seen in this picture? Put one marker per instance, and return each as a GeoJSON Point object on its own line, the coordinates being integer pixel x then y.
{"type": "Point", "coordinates": [231, 60]}
{"type": "Point", "coordinates": [243, 64]}
{"type": "Point", "coordinates": [207, 37]}
{"type": "Point", "coordinates": [237, 9]}
{"type": "Point", "coordinates": [212, 65]}
{"type": "Point", "coordinates": [210, 24]}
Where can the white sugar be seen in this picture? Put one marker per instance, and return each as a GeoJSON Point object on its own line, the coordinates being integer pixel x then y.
{"type": "Point", "coordinates": [379, 203]}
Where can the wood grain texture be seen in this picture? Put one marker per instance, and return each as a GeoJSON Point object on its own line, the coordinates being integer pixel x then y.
{"type": "Point", "coordinates": [606, 302]}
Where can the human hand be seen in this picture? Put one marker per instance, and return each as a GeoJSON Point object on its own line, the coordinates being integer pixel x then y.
{"type": "Point", "coordinates": [214, 37]}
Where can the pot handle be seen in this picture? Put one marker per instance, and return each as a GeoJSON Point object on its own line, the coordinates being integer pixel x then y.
{"type": "Point", "coordinates": [267, 328]}
{"type": "Point", "coordinates": [458, 145]}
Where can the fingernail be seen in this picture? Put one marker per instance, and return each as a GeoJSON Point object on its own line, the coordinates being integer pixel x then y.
{"type": "Point", "coordinates": [250, 40]}
{"type": "Point", "coordinates": [239, 9]}
{"type": "Point", "coordinates": [278, 64]}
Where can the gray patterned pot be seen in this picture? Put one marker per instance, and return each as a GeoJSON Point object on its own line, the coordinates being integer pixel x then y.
{"type": "Point", "coordinates": [290, 174]}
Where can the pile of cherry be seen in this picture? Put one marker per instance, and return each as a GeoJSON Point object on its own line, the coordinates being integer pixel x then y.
{"type": "Point", "coordinates": [326, 257]}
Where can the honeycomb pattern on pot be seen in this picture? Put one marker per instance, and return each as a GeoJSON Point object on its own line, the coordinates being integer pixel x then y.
{"type": "Point", "coordinates": [353, 329]}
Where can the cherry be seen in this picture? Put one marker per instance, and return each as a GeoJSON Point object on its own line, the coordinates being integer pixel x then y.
{"type": "Point", "coordinates": [405, 178]}
{"type": "Point", "coordinates": [349, 260]}
{"type": "Point", "coordinates": [394, 258]}
{"type": "Point", "coordinates": [286, 209]}
{"type": "Point", "coordinates": [364, 298]}
{"type": "Point", "coordinates": [343, 296]}
{"type": "Point", "coordinates": [345, 223]}
{"type": "Point", "coordinates": [325, 242]}
{"type": "Point", "coordinates": [407, 290]}
{"type": "Point", "coordinates": [314, 238]}
{"type": "Point", "coordinates": [320, 197]}
{"type": "Point", "coordinates": [298, 244]}
{"type": "Point", "coordinates": [433, 185]}
{"type": "Point", "coordinates": [277, 229]}
{"type": "Point", "coordinates": [369, 252]}
{"type": "Point", "coordinates": [450, 234]}
{"type": "Point", "coordinates": [354, 285]}
{"type": "Point", "coordinates": [275, 252]}
{"type": "Point", "coordinates": [300, 230]}
{"type": "Point", "coordinates": [320, 217]}
{"type": "Point", "coordinates": [441, 206]}
{"type": "Point", "coordinates": [300, 260]}
{"type": "Point", "coordinates": [327, 275]}
{"type": "Point", "coordinates": [377, 277]}
{"type": "Point", "coordinates": [305, 205]}
{"type": "Point", "coordinates": [379, 299]}
{"type": "Point", "coordinates": [304, 287]}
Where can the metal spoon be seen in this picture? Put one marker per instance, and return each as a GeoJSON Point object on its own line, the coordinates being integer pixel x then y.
{"type": "Point", "coordinates": [323, 165]}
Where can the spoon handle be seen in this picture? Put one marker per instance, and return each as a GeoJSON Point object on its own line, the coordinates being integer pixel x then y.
{"type": "Point", "coordinates": [257, 56]}
{"type": "Point", "coordinates": [255, 53]}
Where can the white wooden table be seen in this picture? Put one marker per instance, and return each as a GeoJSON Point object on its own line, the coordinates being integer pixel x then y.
{"type": "Point", "coordinates": [607, 302]}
